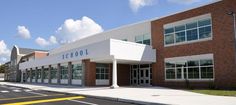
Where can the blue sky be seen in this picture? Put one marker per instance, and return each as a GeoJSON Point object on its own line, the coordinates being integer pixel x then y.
{"type": "Point", "coordinates": [45, 24]}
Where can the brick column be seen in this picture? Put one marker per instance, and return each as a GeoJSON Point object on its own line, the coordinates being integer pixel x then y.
{"type": "Point", "coordinates": [90, 73]}
{"type": "Point", "coordinates": [83, 80]}
{"type": "Point", "coordinates": [58, 73]}
{"type": "Point", "coordinates": [36, 75]}
{"type": "Point", "coordinates": [69, 73]}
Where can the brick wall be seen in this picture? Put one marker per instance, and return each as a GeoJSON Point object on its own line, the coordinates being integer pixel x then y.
{"type": "Point", "coordinates": [90, 73]}
{"type": "Point", "coordinates": [222, 45]}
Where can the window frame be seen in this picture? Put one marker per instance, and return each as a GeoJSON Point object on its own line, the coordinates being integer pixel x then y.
{"type": "Point", "coordinates": [187, 69]}
{"type": "Point", "coordinates": [190, 41]}
{"type": "Point", "coordinates": [64, 72]}
{"type": "Point", "coordinates": [102, 74]}
{"type": "Point", "coordinates": [78, 75]}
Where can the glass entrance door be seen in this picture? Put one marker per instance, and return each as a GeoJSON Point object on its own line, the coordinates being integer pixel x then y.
{"type": "Point", "coordinates": [134, 76]}
{"type": "Point", "coordinates": [144, 79]}
{"type": "Point", "coordinates": [140, 75]}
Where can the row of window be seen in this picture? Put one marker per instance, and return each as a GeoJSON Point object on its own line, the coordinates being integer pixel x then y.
{"type": "Point", "coordinates": [197, 30]}
{"type": "Point", "coordinates": [76, 72]}
{"type": "Point", "coordinates": [192, 69]}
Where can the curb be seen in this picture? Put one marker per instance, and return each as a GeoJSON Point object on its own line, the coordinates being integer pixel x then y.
{"type": "Point", "coordinates": [98, 97]}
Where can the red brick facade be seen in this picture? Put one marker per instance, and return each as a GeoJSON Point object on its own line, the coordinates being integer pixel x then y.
{"type": "Point", "coordinates": [222, 45]}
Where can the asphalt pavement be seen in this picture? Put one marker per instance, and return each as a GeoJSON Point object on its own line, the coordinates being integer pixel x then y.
{"type": "Point", "coordinates": [11, 95]}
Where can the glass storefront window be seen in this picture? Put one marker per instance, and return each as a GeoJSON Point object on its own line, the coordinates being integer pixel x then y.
{"type": "Point", "coordinates": [45, 73]}
{"type": "Point", "coordinates": [77, 71]}
{"type": "Point", "coordinates": [38, 73]}
{"type": "Point", "coordinates": [64, 72]}
{"type": "Point", "coordinates": [53, 72]}
{"type": "Point", "coordinates": [33, 74]}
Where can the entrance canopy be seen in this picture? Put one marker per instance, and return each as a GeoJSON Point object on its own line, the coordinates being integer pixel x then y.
{"type": "Point", "coordinates": [103, 51]}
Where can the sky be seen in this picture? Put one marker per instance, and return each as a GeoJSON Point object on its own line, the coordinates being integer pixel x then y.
{"type": "Point", "coordinates": [47, 24]}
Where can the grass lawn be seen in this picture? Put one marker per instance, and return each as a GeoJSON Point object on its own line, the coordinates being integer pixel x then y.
{"type": "Point", "coordinates": [217, 92]}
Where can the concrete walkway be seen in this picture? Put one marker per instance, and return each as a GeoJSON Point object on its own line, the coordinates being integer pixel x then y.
{"type": "Point", "coordinates": [137, 94]}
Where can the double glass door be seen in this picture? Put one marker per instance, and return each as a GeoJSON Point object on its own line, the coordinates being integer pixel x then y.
{"type": "Point", "coordinates": [141, 75]}
{"type": "Point", "coordinates": [144, 78]}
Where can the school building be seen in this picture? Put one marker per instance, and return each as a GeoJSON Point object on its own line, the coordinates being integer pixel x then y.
{"type": "Point", "coordinates": [194, 48]}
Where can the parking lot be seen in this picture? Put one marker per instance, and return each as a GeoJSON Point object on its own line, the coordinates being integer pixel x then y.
{"type": "Point", "coordinates": [11, 95]}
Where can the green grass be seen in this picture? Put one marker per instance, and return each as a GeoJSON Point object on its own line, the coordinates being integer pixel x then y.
{"type": "Point", "coordinates": [217, 92]}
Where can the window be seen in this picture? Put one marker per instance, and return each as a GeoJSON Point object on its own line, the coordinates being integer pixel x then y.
{"type": "Point", "coordinates": [192, 35]}
{"type": "Point", "coordinates": [64, 72]}
{"type": "Point", "coordinates": [205, 32]}
{"type": "Point", "coordinates": [53, 73]}
{"type": "Point", "coordinates": [45, 73]}
{"type": "Point", "coordinates": [39, 73]}
{"type": "Point", "coordinates": [190, 69]}
{"type": "Point", "coordinates": [200, 29]}
{"type": "Point", "coordinates": [169, 39]}
{"type": "Point", "coordinates": [139, 39]}
{"type": "Point", "coordinates": [143, 39]}
{"type": "Point", "coordinates": [179, 28]}
{"type": "Point", "coordinates": [169, 30]}
{"type": "Point", "coordinates": [170, 73]}
{"type": "Point", "coordinates": [204, 22]}
{"type": "Point", "coordinates": [124, 39]}
{"type": "Point", "coordinates": [102, 71]}
{"type": "Point", "coordinates": [191, 25]}
{"type": "Point", "coordinates": [77, 71]}
{"type": "Point", "coordinates": [180, 36]}
{"type": "Point", "coordinates": [33, 74]}
{"type": "Point", "coordinates": [206, 68]}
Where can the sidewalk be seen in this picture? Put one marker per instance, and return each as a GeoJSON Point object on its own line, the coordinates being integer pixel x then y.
{"type": "Point", "coordinates": [137, 94]}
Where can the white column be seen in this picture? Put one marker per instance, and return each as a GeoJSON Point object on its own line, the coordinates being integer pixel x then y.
{"type": "Point", "coordinates": [114, 74]}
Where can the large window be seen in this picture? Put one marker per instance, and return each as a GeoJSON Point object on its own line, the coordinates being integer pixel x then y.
{"type": "Point", "coordinates": [197, 30]}
{"type": "Point", "coordinates": [77, 71]}
{"type": "Point", "coordinates": [33, 74]}
{"type": "Point", "coordinates": [45, 73]}
{"type": "Point", "coordinates": [38, 73]}
{"type": "Point", "coordinates": [143, 39]}
{"type": "Point", "coordinates": [190, 69]}
{"type": "Point", "coordinates": [102, 71]}
{"type": "Point", "coordinates": [54, 72]}
{"type": "Point", "coordinates": [64, 72]}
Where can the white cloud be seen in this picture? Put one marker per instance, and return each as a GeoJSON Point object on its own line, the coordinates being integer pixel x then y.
{"type": "Point", "coordinates": [184, 1]}
{"type": "Point", "coordinates": [73, 30]}
{"type": "Point", "coordinates": [4, 52]}
{"type": "Point", "coordinates": [43, 42]}
{"type": "Point", "coordinates": [23, 32]}
{"type": "Point", "coordinates": [53, 40]}
{"type": "Point", "coordinates": [137, 4]}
